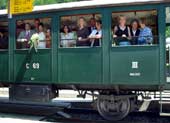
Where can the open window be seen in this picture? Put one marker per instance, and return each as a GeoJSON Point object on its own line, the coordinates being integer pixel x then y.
{"type": "Point", "coordinates": [168, 43]}
{"type": "Point", "coordinates": [3, 35]}
{"type": "Point", "coordinates": [29, 29]}
{"type": "Point", "coordinates": [134, 28]}
{"type": "Point", "coordinates": [80, 31]}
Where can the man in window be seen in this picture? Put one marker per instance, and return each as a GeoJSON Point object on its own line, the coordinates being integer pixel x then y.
{"type": "Point", "coordinates": [96, 34]}
{"type": "Point", "coordinates": [25, 35]}
{"type": "Point", "coordinates": [145, 35]}
{"type": "Point", "coordinates": [92, 25]}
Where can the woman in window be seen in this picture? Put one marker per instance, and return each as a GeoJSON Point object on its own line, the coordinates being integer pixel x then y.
{"type": "Point", "coordinates": [42, 37]}
{"type": "Point", "coordinates": [134, 31]}
{"type": "Point", "coordinates": [67, 37]}
{"type": "Point", "coordinates": [96, 34]}
{"type": "Point", "coordinates": [121, 32]}
{"type": "Point", "coordinates": [82, 33]}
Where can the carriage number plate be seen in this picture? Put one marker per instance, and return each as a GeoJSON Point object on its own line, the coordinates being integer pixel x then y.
{"type": "Point", "coordinates": [33, 65]}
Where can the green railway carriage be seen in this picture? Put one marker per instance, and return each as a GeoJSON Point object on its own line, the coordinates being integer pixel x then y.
{"type": "Point", "coordinates": [116, 72]}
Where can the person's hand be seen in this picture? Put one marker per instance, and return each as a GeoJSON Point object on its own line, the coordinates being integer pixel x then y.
{"type": "Point", "coordinates": [124, 36]}
{"type": "Point", "coordinates": [79, 38]}
{"type": "Point", "coordinates": [92, 37]}
{"type": "Point", "coordinates": [114, 36]}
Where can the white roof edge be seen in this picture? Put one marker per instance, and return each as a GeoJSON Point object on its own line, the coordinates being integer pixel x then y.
{"type": "Point", "coordinates": [84, 4]}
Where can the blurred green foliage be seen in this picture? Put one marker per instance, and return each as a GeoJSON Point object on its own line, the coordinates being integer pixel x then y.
{"type": "Point", "coordinates": [168, 31]}
{"type": "Point", "coordinates": [3, 3]}
{"type": "Point", "coordinates": [44, 2]}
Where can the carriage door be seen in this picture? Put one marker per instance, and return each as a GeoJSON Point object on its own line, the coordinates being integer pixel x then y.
{"type": "Point", "coordinates": [32, 56]}
{"type": "Point", "coordinates": [4, 51]}
{"type": "Point", "coordinates": [135, 60]}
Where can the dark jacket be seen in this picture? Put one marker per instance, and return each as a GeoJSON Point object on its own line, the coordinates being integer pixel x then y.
{"type": "Point", "coordinates": [134, 40]}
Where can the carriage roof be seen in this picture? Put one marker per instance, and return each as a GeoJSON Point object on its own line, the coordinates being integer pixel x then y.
{"type": "Point", "coordinates": [89, 4]}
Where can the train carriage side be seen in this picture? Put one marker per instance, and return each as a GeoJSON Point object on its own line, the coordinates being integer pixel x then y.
{"type": "Point", "coordinates": [110, 69]}
{"type": "Point", "coordinates": [4, 53]}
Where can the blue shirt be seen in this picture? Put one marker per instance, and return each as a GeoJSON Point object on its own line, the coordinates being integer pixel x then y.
{"type": "Point", "coordinates": [95, 32]}
{"type": "Point", "coordinates": [145, 36]}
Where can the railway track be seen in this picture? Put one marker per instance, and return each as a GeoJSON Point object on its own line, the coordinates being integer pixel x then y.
{"type": "Point", "coordinates": [68, 113]}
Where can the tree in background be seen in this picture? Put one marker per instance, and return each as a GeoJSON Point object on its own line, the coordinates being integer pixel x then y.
{"type": "Point", "coordinates": [3, 3]}
{"type": "Point", "coordinates": [167, 31]}
{"type": "Point", "coordinates": [44, 2]}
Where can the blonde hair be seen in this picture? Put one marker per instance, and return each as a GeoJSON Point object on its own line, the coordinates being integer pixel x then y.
{"type": "Point", "coordinates": [121, 16]}
{"type": "Point", "coordinates": [78, 22]}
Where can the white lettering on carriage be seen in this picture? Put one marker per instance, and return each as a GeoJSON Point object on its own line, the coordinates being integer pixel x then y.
{"type": "Point", "coordinates": [135, 65]}
{"type": "Point", "coordinates": [134, 74]}
{"type": "Point", "coordinates": [36, 65]}
{"type": "Point", "coordinates": [27, 66]}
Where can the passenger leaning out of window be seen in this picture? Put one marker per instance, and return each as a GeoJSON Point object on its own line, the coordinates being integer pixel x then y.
{"type": "Point", "coordinates": [121, 33]}
{"type": "Point", "coordinates": [134, 30]}
{"type": "Point", "coordinates": [96, 34]}
{"type": "Point", "coordinates": [145, 35]}
{"type": "Point", "coordinates": [82, 33]}
{"type": "Point", "coordinates": [67, 37]}
{"type": "Point", "coordinates": [25, 36]}
{"type": "Point", "coordinates": [42, 37]}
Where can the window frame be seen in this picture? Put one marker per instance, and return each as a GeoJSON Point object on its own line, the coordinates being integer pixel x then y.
{"type": "Point", "coordinates": [30, 17]}
{"type": "Point", "coordinates": [119, 9]}
{"type": "Point", "coordinates": [74, 13]}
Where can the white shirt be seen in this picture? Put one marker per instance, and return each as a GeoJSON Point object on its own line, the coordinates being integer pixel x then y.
{"type": "Point", "coordinates": [41, 36]}
{"type": "Point", "coordinates": [134, 32]}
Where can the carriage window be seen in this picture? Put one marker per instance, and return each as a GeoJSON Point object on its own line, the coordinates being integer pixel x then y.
{"type": "Point", "coordinates": [80, 31]}
{"type": "Point", "coordinates": [3, 35]}
{"type": "Point", "coordinates": [134, 28]}
{"type": "Point", "coordinates": [33, 33]}
{"type": "Point", "coordinates": [168, 43]}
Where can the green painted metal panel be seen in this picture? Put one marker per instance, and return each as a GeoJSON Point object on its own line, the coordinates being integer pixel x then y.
{"type": "Point", "coordinates": [80, 66]}
{"type": "Point", "coordinates": [162, 39]}
{"type": "Point", "coordinates": [135, 65]}
{"type": "Point", "coordinates": [4, 66]}
{"type": "Point", "coordinates": [32, 67]}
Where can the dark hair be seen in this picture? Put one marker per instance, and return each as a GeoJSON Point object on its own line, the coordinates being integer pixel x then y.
{"type": "Point", "coordinates": [37, 19]}
{"type": "Point", "coordinates": [93, 19]}
{"type": "Point", "coordinates": [69, 30]}
{"type": "Point", "coordinates": [143, 20]}
{"type": "Point", "coordinates": [99, 21]}
{"type": "Point", "coordinates": [41, 24]}
{"type": "Point", "coordinates": [134, 20]}
{"type": "Point", "coordinates": [28, 24]}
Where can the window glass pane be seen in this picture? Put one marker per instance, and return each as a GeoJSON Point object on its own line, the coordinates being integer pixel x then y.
{"type": "Point", "coordinates": [167, 34]}
{"type": "Point", "coordinates": [80, 31]}
{"type": "Point", "coordinates": [134, 28]}
{"type": "Point", "coordinates": [4, 35]}
{"type": "Point", "coordinates": [29, 30]}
